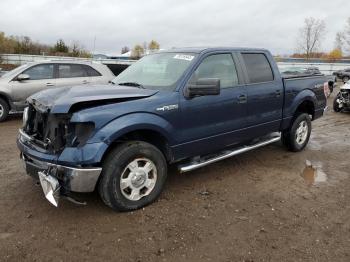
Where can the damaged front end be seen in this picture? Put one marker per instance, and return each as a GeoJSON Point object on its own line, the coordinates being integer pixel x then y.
{"type": "Point", "coordinates": [42, 139]}
{"type": "Point", "coordinates": [344, 98]}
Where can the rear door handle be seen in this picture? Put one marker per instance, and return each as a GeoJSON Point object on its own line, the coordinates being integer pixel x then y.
{"type": "Point", "coordinates": [85, 82]}
{"type": "Point", "coordinates": [50, 84]}
{"type": "Point", "coordinates": [242, 99]}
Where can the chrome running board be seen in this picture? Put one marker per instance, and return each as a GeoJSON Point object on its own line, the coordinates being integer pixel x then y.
{"type": "Point", "coordinates": [226, 154]}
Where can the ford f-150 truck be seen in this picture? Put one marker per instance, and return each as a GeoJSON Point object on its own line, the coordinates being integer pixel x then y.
{"type": "Point", "coordinates": [186, 107]}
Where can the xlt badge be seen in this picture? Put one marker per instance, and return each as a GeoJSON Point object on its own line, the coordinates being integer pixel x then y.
{"type": "Point", "coordinates": [168, 107]}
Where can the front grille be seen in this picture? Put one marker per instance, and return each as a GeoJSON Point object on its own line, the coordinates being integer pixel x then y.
{"type": "Point", "coordinates": [345, 94]}
{"type": "Point", "coordinates": [48, 131]}
{"type": "Point", "coordinates": [36, 125]}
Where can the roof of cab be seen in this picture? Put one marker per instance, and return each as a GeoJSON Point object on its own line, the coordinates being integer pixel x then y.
{"type": "Point", "coordinates": [213, 49]}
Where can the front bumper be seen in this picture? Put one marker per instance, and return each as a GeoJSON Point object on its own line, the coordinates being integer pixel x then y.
{"type": "Point", "coordinates": [58, 180]}
{"type": "Point", "coordinates": [71, 179]}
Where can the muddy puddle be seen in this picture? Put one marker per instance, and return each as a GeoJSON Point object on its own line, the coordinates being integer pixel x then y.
{"type": "Point", "coordinates": [313, 173]}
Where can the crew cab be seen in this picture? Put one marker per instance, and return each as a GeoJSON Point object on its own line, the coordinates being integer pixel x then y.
{"type": "Point", "coordinates": [186, 107]}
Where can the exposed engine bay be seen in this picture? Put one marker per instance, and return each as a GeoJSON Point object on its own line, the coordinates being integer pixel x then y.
{"type": "Point", "coordinates": [342, 100]}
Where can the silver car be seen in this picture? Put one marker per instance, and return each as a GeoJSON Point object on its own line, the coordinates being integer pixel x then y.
{"type": "Point", "coordinates": [17, 85]}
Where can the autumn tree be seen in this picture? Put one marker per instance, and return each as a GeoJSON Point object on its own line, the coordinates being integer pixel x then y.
{"type": "Point", "coordinates": [335, 54]}
{"type": "Point", "coordinates": [7, 44]}
{"type": "Point", "coordinates": [153, 45]}
{"type": "Point", "coordinates": [137, 52]}
{"type": "Point", "coordinates": [310, 36]}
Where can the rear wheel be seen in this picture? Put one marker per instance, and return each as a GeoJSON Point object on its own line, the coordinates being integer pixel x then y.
{"type": "Point", "coordinates": [133, 176]}
{"type": "Point", "coordinates": [297, 136]}
{"type": "Point", "coordinates": [4, 110]}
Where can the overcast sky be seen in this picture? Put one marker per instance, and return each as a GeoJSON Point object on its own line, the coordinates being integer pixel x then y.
{"type": "Point", "coordinates": [271, 24]}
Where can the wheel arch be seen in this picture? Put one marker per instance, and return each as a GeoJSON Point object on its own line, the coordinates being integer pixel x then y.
{"type": "Point", "coordinates": [149, 135]}
{"type": "Point", "coordinates": [145, 127]}
{"type": "Point", "coordinates": [306, 106]}
{"type": "Point", "coordinates": [304, 102]}
{"type": "Point", "coordinates": [6, 98]}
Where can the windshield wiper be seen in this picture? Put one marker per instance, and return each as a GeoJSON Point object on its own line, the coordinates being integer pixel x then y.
{"type": "Point", "coordinates": [132, 84]}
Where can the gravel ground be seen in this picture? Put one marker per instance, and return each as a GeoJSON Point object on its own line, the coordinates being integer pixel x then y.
{"type": "Point", "coordinates": [265, 205]}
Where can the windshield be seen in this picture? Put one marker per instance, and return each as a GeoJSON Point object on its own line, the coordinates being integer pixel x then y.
{"type": "Point", "coordinates": [158, 71]}
{"type": "Point", "coordinates": [14, 71]}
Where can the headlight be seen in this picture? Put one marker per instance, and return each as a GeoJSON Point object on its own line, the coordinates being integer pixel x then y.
{"type": "Point", "coordinates": [25, 116]}
{"type": "Point", "coordinates": [80, 133]}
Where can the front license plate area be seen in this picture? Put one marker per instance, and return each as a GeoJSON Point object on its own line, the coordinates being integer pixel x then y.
{"type": "Point", "coordinates": [51, 188]}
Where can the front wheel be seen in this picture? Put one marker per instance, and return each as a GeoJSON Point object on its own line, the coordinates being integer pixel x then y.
{"type": "Point", "coordinates": [297, 136]}
{"type": "Point", "coordinates": [133, 176]}
{"type": "Point", "coordinates": [345, 79]}
{"type": "Point", "coordinates": [4, 110]}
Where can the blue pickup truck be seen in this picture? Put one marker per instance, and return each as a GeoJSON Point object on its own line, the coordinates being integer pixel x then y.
{"type": "Point", "coordinates": [186, 107]}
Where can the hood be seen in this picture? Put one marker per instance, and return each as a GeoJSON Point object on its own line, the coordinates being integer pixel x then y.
{"type": "Point", "coordinates": [62, 100]}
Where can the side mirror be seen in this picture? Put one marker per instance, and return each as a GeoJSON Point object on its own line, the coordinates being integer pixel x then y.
{"type": "Point", "coordinates": [23, 77]}
{"type": "Point", "coordinates": [203, 87]}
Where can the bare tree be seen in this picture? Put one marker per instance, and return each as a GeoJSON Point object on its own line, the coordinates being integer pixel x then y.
{"type": "Point", "coordinates": [347, 35]}
{"type": "Point", "coordinates": [310, 35]}
{"type": "Point", "coordinates": [125, 49]}
{"type": "Point", "coordinates": [339, 41]}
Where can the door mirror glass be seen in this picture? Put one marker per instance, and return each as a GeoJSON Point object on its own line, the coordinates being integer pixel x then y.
{"type": "Point", "coordinates": [203, 87]}
{"type": "Point", "coordinates": [23, 77]}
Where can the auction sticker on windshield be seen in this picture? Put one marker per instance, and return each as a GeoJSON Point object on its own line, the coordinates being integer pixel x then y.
{"type": "Point", "coordinates": [184, 57]}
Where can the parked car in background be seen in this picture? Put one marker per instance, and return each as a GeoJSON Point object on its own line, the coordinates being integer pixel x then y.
{"type": "Point", "coordinates": [301, 71]}
{"type": "Point", "coordinates": [2, 72]}
{"type": "Point", "coordinates": [186, 107]}
{"type": "Point", "coordinates": [344, 75]}
{"type": "Point", "coordinates": [17, 85]}
{"type": "Point", "coordinates": [342, 100]}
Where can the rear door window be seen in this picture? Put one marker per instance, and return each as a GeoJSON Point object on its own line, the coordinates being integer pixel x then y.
{"type": "Point", "coordinates": [90, 71]}
{"type": "Point", "coordinates": [258, 68]}
{"type": "Point", "coordinates": [71, 71]}
{"type": "Point", "coordinates": [44, 71]}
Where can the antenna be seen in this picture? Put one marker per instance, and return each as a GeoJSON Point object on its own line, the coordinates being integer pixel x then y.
{"type": "Point", "coordinates": [93, 52]}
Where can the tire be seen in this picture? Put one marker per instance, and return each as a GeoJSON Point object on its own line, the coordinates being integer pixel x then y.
{"type": "Point", "coordinates": [336, 107]}
{"type": "Point", "coordinates": [125, 167]}
{"type": "Point", "coordinates": [4, 110]}
{"type": "Point", "coordinates": [345, 79]}
{"type": "Point", "coordinates": [297, 136]}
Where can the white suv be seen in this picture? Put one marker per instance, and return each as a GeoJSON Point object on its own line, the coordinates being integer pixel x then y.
{"type": "Point", "coordinates": [17, 85]}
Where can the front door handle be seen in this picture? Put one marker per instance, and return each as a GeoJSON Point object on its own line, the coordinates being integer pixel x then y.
{"type": "Point", "coordinates": [242, 99]}
{"type": "Point", "coordinates": [278, 93]}
{"type": "Point", "coordinates": [50, 84]}
{"type": "Point", "coordinates": [85, 82]}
